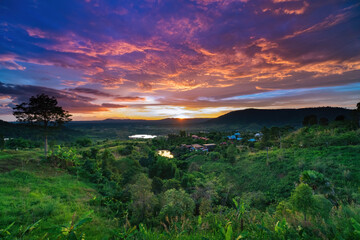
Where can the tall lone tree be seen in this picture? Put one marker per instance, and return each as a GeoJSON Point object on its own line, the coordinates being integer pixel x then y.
{"type": "Point", "coordinates": [302, 199]}
{"type": "Point", "coordinates": [43, 111]}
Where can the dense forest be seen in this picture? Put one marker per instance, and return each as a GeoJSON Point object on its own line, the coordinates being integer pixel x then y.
{"type": "Point", "coordinates": [277, 183]}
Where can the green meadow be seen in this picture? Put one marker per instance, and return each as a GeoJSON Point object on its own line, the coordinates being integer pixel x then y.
{"type": "Point", "coordinates": [301, 184]}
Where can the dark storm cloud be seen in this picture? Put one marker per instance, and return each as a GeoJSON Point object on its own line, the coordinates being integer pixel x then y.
{"type": "Point", "coordinates": [112, 105]}
{"type": "Point", "coordinates": [90, 91]}
{"type": "Point", "coordinates": [70, 101]}
{"type": "Point", "coordinates": [99, 93]}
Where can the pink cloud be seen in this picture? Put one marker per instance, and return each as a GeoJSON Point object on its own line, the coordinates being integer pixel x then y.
{"type": "Point", "coordinates": [70, 83]}
{"type": "Point", "coordinates": [35, 32]}
{"type": "Point", "coordinates": [8, 61]}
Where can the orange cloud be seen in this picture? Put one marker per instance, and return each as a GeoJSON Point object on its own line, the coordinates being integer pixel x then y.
{"type": "Point", "coordinates": [298, 11]}
{"type": "Point", "coordinates": [129, 99]}
{"type": "Point", "coordinates": [70, 83]}
{"type": "Point", "coordinates": [265, 89]}
{"type": "Point", "coordinates": [287, 9]}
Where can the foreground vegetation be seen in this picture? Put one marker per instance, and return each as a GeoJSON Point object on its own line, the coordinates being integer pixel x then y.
{"type": "Point", "coordinates": [289, 184]}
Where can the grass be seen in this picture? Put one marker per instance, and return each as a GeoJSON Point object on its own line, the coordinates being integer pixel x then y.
{"type": "Point", "coordinates": [40, 192]}
{"type": "Point", "coordinates": [31, 190]}
{"type": "Point", "coordinates": [250, 173]}
{"type": "Point", "coordinates": [12, 159]}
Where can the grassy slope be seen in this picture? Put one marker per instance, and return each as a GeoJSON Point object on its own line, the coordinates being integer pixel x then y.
{"type": "Point", "coordinates": [11, 159]}
{"type": "Point", "coordinates": [36, 192]}
{"type": "Point", "coordinates": [40, 192]}
{"type": "Point", "coordinates": [250, 173]}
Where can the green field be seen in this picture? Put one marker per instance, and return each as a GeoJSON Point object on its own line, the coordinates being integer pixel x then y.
{"type": "Point", "coordinates": [112, 189]}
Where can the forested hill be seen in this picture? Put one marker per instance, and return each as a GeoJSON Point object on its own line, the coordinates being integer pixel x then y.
{"type": "Point", "coordinates": [278, 117]}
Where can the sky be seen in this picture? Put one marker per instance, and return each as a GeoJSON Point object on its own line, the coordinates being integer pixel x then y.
{"type": "Point", "coordinates": [157, 59]}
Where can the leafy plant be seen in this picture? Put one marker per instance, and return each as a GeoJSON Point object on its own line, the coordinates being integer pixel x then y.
{"type": "Point", "coordinates": [70, 231]}
{"type": "Point", "coordinates": [10, 232]}
{"type": "Point", "coordinates": [356, 226]}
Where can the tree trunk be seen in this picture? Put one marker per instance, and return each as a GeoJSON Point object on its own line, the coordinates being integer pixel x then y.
{"type": "Point", "coordinates": [305, 216]}
{"type": "Point", "coordinates": [280, 141]}
{"type": "Point", "coordinates": [46, 134]}
{"type": "Point", "coordinates": [46, 145]}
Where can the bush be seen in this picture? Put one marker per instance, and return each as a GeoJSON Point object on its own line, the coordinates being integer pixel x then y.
{"type": "Point", "coordinates": [17, 143]}
{"type": "Point", "coordinates": [84, 142]}
{"type": "Point", "coordinates": [125, 151]}
{"type": "Point", "coordinates": [177, 203]}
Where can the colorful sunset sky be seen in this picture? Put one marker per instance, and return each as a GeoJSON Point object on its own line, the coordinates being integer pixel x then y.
{"type": "Point", "coordinates": [159, 59]}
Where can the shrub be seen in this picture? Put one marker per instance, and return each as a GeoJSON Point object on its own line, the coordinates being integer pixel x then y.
{"type": "Point", "coordinates": [177, 203]}
{"type": "Point", "coordinates": [84, 142]}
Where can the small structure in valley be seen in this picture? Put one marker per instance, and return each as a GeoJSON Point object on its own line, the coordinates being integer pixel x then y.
{"type": "Point", "coordinates": [202, 138]}
{"type": "Point", "coordinates": [235, 136]}
{"type": "Point", "coordinates": [198, 147]}
{"type": "Point", "coordinates": [210, 146]}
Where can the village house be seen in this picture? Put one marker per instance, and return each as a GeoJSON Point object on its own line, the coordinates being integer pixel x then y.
{"type": "Point", "coordinates": [210, 146]}
{"type": "Point", "coordinates": [235, 136]}
{"type": "Point", "coordinates": [202, 138]}
{"type": "Point", "coordinates": [196, 147]}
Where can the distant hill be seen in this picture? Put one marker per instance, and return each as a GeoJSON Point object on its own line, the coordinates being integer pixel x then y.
{"type": "Point", "coordinates": [166, 121]}
{"type": "Point", "coordinates": [248, 118]}
{"type": "Point", "coordinates": [277, 117]}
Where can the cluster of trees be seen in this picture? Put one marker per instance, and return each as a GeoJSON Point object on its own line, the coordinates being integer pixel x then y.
{"type": "Point", "coordinates": [164, 195]}
{"type": "Point", "coordinates": [311, 120]}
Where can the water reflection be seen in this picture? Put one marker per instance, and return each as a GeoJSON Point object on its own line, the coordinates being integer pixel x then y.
{"type": "Point", "coordinates": [165, 153]}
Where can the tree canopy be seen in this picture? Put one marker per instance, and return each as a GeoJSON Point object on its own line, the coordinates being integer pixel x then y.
{"type": "Point", "coordinates": [41, 110]}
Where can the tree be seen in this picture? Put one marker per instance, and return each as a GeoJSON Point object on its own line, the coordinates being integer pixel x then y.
{"type": "Point", "coordinates": [355, 116]}
{"type": "Point", "coordinates": [142, 198]}
{"type": "Point", "coordinates": [310, 120]}
{"type": "Point", "coordinates": [340, 118]}
{"type": "Point", "coordinates": [177, 203]}
{"type": "Point", "coordinates": [84, 142]}
{"type": "Point", "coordinates": [214, 156]}
{"type": "Point", "coordinates": [324, 121]}
{"type": "Point", "coordinates": [231, 152]}
{"type": "Point", "coordinates": [302, 199]}
{"type": "Point", "coordinates": [157, 185]}
{"type": "Point", "coordinates": [163, 168]}
{"type": "Point", "coordinates": [42, 110]}
{"type": "Point", "coordinates": [182, 133]}
{"type": "Point", "coordinates": [2, 142]}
